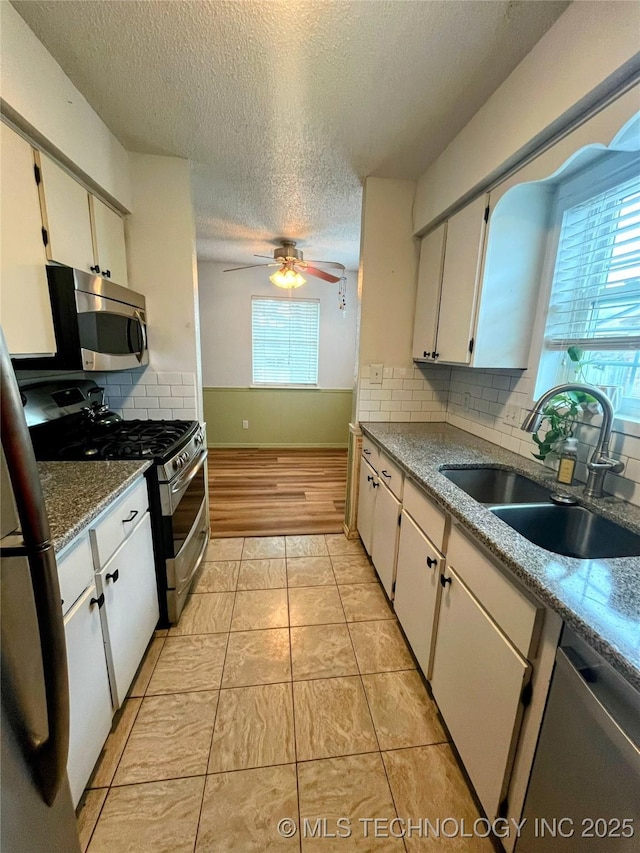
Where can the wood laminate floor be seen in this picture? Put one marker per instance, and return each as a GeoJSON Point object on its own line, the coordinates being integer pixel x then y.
{"type": "Point", "coordinates": [262, 492]}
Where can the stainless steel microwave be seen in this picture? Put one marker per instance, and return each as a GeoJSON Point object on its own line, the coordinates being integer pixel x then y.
{"type": "Point", "coordinates": [98, 325]}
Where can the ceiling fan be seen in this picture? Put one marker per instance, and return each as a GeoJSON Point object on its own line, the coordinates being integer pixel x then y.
{"type": "Point", "coordinates": [291, 266]}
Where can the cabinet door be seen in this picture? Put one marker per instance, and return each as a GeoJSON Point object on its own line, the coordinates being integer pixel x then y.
{"type": "Point", "coordinates": [25, 307]}
{"type": "Point", "coordinates": [89, 694]}
{"type": "Point", "coordinates": [108, 230]}
{"type": "Point", "coordinates": [386, 515]}
{"type": "Point", "coordinates": [428, 293]}
{"type": "Point", "coordinates": [366, 501]}
{"type": "Point", "coordinates": [460, 281]}
{"type": "Point", "coordinates": [130, 611]}
{"type": "Point", "coordinates": [65, 215]}
{"type": "Point", "coordinates": [478, 679]}
{"type": "Point", "coordinates": [418, 590]}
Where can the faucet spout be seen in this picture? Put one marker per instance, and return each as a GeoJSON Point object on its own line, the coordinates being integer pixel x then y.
{"type": "Point", "coordinates": [600, 462]}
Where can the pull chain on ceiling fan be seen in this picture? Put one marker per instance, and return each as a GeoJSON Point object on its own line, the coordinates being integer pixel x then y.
{"type": "Point", "coordinates": [291, 266]}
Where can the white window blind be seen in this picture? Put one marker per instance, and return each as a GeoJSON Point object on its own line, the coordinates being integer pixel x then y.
{"type": "Point", "coordinates": [595, 295]}
{"type": "Point", "coordinates": [285, 341]}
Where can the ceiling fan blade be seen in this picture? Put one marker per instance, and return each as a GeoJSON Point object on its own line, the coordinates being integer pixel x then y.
{"type": "Point", "coordinates": [252, 266]}
{"type": "Point", "coordinates": [321, 274]}
{"type": "Point", "coordinates": [331, 264]}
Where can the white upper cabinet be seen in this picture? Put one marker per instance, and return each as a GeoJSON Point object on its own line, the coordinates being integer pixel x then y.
{"type": "Point", "coordinates": [25, 310]}
{"type": "Point", "coordinates": [428, 294]}
{"type": "Point", "coordinates": [108, 229]}
{"type": "Point", "coordinates": [478, 281]}
{"type": "Point", "coordinates": [460, 280]}
{"type": "Point", "coordinates": [65, 216]}
{"type": "Point", "coordinates": [448, 287]}
{"type": "Point", "coordinates": [81, 231]}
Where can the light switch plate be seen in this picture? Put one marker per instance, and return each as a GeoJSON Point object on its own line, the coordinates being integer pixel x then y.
{"type": "Point", "coordinates": [376, 373]}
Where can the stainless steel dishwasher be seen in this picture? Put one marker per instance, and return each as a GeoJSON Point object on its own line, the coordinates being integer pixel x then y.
{"type": "Point", "coordinates": [584, 792]}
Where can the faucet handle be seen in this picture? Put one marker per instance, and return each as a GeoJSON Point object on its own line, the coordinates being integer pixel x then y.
{"type": "Point", "coordinates": [606, 465]}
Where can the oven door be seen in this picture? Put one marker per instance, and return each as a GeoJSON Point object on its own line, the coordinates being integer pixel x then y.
{"type": "Point", "coordinates": [184, 502]}
{"type": "Point", "coordinates": [113, 335]}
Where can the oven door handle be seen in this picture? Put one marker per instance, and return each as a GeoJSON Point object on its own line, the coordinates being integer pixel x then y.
{"type": "Point", "coordinates": [187, 581]}
{"type": "Point", "coordinates": [184, 481]}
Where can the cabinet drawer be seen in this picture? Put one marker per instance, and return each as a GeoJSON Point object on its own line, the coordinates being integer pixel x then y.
{"type": "Point", "coordinates": [517, 614]}
{"type": "Point", "coordinates": [119, 522]}
{"type": "Point", "coordinates": [391, 475]}
{"type": "Point", "coordinates": [425, 513]}
{"type": "Point", "coordinates": [75, 571]}
{"type": "Point", "coordinates": [370, 452]}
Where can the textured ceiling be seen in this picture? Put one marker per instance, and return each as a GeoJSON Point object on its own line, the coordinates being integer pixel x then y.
{"type": "Point", "coordinates": [284, 107]}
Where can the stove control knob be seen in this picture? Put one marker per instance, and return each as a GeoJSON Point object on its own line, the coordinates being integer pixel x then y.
{"type": "Point", "coordinates": [176, 464]}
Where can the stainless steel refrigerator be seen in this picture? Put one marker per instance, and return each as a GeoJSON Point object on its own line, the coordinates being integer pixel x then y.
{"type": "Point", "coordinates": [37, 812]}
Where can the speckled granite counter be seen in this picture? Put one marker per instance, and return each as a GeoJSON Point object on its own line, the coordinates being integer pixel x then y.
{"type": "Point", "coordinates": [600, 598]}
{"type": "Point", "coordinates": [76, 492]}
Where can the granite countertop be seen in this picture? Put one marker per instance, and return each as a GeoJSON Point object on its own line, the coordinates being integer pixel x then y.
{"type": "Point", "coordinates": [77, 492]}
{"type": "Point", "coordinates": [600, 598]}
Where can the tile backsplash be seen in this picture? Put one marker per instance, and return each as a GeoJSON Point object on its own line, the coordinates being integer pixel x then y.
{"type": "Point", "coordinates": [492, 405]}
{"type": "Point", "coordinates": [405, 394]}
{"type": "Point", "coordinates": [142, 393]}
{"type": "Point", "coordinates": [149, 394]}
{"type": "Point", "coordinates": [480, 400]}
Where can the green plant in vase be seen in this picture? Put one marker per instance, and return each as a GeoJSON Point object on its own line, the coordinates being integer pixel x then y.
{"type": "Point", "coordinates": [559, 418]}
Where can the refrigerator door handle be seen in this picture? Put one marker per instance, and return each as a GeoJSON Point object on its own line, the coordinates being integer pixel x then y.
{"type": "Point", "coordinates": [48, 759]}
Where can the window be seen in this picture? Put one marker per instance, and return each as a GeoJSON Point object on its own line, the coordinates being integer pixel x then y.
{"type": "Point", "coordinates": [285, 341]}
{"type": "Point", "coordinates": [592, 331]}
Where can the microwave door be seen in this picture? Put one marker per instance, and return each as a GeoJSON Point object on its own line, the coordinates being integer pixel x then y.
{"type": "Point", "coordinates": [112, 334]}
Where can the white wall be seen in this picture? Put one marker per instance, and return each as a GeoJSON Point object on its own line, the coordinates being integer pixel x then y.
{"type": "Point", "coordinates": [162, 263]}
{"type": "Point", "coordinates": [40, 98]}
{"type": "Point", "coordinates": [225, 325]}
{"type": "Point", "coordinates": [589, 48]}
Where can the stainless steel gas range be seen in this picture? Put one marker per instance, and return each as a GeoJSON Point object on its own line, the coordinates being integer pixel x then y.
{"type": "Point", "coordinates": [68, 421]}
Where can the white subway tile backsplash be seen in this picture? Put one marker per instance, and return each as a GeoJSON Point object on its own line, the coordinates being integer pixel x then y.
{"type": "Point", "coordinates": [170, 402]}
{"type": "Point", "coordinates": [161, 391]}
{"type": "Point", "coordinates": [181, 391]}
{"type": "Point", "coordinates": [142, 414]}
{"type": "Point", "coordinates": [149, 377]}
{"type": "Point", "coordinates": [146, 402]}
{"type": "Point", "coordinates": [188, 379]}
{"type": "Point", "coordinates": [169, 379]}
{"type": "Point", "coordinates": [380, 395]}
{"type": "Point", "coordinates": [185, 414]}
{"type": "Point", "coordinates": [163, 414]}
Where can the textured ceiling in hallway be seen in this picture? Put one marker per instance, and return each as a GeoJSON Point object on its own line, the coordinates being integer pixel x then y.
{"type": "Point", "coordinates": [284, 107]}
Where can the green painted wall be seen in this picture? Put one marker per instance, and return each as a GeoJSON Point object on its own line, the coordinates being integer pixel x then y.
{"type": "Point", "coordinates": [277, 417]}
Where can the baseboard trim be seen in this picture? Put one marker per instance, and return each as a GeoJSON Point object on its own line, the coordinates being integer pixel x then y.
{"type": "Point", "coordinates": [283, 446]}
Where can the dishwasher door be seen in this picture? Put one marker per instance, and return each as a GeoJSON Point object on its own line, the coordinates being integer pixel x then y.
{"type": "Point", "coordinates": [584, 792]}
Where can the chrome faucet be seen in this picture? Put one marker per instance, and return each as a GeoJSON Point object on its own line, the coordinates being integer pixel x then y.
{"type": "Point", "coordinates": [600, 463]}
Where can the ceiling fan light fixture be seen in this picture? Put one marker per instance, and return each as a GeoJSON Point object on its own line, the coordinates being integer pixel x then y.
{"type": "Point", "coordinates": [287, 279]}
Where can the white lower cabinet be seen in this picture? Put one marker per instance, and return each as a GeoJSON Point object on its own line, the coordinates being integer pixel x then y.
{"type": "Point", "coordinates": [130, 611]}
{"type": "Point", "coordinates": [366, 501]}
{"type": "Point", "coordinates": [386, 517]}
{"type": "Point", "coordinates": [478, 681]}
{"type": "Point", "coordinates": [89, 694]}
{"type": "Point", "coordinates": [418, 590]}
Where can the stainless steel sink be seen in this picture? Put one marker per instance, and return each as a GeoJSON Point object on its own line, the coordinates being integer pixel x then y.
{"type": "Point", "coordinates": [496, 486]}
{"type": "Point", "coordinates": [570, 530]}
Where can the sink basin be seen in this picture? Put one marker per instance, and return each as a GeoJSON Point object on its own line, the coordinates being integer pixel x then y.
{"type": "Point", "coordinates": [570, 530]}
{"type": "Point", "coordinates": [496, 486]}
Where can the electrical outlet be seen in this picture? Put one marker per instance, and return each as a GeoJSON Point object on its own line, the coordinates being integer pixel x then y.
{"type": "Point", "coordinates": [245, 424]}
{"type": "Point", "coordinates": [512, 415]}
{"type": "Point", "coordinates": [376, 373]}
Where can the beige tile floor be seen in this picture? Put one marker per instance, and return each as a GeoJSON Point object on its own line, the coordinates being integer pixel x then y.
{"type": "Point", "coordinates": [286, 692]}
